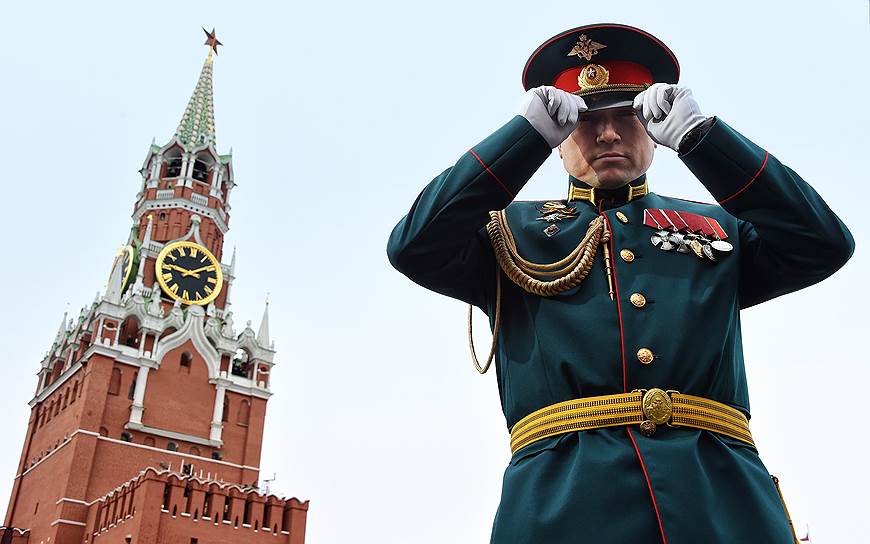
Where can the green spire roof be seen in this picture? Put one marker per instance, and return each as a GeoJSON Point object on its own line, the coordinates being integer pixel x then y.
{"type": "Point", "coordinates": [197, 124]}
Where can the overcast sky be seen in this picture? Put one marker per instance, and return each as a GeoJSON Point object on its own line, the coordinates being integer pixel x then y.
{"type": "Point", "coordinates": [338, 114]}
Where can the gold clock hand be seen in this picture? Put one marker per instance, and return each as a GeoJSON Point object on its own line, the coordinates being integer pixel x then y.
{"type": "Point", "coordinates": [197, 270]}
{"type": "Point", "coordinates": [184, 272]}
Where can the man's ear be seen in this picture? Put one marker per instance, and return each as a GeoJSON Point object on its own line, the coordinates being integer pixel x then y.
{"type": "Point", "coordinates": [559, 147]}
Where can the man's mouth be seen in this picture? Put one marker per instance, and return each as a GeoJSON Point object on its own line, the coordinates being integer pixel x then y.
{"type": "Point", "coordinates": [611, 155]}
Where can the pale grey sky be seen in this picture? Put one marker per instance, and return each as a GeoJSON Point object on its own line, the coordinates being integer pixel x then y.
{"type": "Point", "coordinates": [338, 113]}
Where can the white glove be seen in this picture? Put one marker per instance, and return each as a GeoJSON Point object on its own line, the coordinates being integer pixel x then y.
{"type": "Point", "coordinates": [553, 112]}
{"type": "Point", "coordinates": [668, 112]}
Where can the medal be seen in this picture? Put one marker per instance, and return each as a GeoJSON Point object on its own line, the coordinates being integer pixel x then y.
{"type": "Point", "coordinates": [685, 232]}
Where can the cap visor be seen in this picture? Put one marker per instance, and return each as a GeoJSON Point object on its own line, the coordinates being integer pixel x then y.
{"type": "Point", "coordinates": [605, 101]}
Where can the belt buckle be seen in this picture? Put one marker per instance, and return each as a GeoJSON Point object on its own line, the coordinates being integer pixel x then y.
{"type": "Point", "coordinates": [657, 407]}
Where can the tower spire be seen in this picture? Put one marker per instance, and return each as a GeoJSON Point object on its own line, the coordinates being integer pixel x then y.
{"type": "Point", "coordinates": [263, 333]}
{"type": "Point", "coordinates": [197, 124]}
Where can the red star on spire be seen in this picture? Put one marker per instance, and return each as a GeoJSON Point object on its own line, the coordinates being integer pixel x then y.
{"type": "Point", "coordinates": [211, 40]}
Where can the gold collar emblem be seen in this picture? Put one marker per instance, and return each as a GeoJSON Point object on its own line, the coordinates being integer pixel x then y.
{"type": "Point", "coordinates": [586, 48]}
{"type": "Point", "coordinates": [593, 75]}
{"type": "Point", "coordinates": [591, 195]}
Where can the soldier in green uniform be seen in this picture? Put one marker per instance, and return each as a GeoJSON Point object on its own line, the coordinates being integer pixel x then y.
{"type": "Point", "coordinates": [616, 311]}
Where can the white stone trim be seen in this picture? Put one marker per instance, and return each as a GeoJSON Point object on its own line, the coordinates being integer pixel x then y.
{"type": "Point", "coordinates": [74, 501]}
{"type": "Point", "coordinates": [192, 330]}
{"type": "Point", "coordinates": [68, 522]}
{"type": "Point", "coordinates": [133, 444]}
{"type": "Point", "coordinates": [215, 214]}
{"type": "Point", "coordinates": [172, 434]}
{"type": "Point", "coordinates": [139, 396]}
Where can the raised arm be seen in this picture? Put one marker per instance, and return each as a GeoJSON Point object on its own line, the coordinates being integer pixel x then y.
{"type": "Point", "coordinates": [789, 237]}
{"type": "Point", "coordinates": [442, 244]}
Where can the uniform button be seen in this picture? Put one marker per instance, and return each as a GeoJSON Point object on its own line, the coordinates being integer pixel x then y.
{"type": "Point", "coordinates": [627, 255]}
{"type": "Point", "coordinates": [645, 356]}
{"type": "Point", "coordinates": [622, 217]}
{"type": "Point", "coordinates": [638, 300]}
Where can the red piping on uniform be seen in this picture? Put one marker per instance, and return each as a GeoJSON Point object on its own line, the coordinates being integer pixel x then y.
{"type": "Point", "coordinates": [503, 186]}
{"type": "Point", "coordinates": [766, 155]}
{"type": "Point", "coordinates": [573, 30]}
{"type": "Point", "coordinates": [618, 303]}
{"type": "Point", "coordinates": [649, 485]}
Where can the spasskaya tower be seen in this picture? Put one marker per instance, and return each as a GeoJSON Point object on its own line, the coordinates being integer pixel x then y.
{"type": "Point", "coordinates": [147, 421]}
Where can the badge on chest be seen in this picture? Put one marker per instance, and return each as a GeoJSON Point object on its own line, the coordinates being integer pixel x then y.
{"type": "Point", "coordinates": [686, 232]}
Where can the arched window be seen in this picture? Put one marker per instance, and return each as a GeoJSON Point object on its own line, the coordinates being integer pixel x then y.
{"type": "Point", "coordinates": [244, 412]}
{"type": "Point", "coordinates": [75, 392]}
{"type": "Point", "coordinates": [267, 516]}
{"type": "Point", "coordinates": [206, 505]}
{"type": "Point", "coordinates": [56, 406]}
{"type": "Point", "coordinates": [184, 365]}
{"type": "Point", "coordinates": [241, 363]}
{"type": "Point", "coordinates": [172, 446]}
{"type": "Point", "coordinates": [131, 393]}
{"type": "Point", "coordinates": [201, 167]}
{"type": "Point", "coordinates": [246, 515]}
{"type": "Point", "coordinates": [226, 415]}
{"type": "Point", "coordinates": [115, 381]}
{"type": "Point", "coordinates": [66, 397]}
{"type": "Point", "coordinates": [126, 436]}
{"type": "Point", "coordinates": [194, 450]}
{"type": "Point", "coordinates": [149, 441]}
{"type": "Point", "coordinates": [167, 491]}
{"type": "Point", "coordinates": [173, 161]}
{"type": "Point", "coordinates": [129, 335]}
{"type": "Point", "coordinates": [104, 431]}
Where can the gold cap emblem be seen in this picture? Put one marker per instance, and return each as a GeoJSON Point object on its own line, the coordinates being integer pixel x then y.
{"type": "Point", "coordinates": [593, 75]}
{"type": "Point", "coordinates": [585, 47]}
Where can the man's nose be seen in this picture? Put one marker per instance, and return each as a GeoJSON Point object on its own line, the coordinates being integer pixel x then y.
{"type": "Point", "coordinates": [607, 134]}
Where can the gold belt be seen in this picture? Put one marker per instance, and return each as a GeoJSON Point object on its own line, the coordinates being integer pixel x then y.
{"type": "Point", "coordinates": [647, 408]}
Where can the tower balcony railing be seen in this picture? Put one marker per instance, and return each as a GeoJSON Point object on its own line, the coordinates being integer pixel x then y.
{"type": "Point", "coordinates": [163, 194]}
{"type": "Point", "coordinates": [197, 198]}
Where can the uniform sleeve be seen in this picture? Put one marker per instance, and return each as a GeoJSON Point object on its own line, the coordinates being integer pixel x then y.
{"type": "Point", "coordinates": [789, 238]}
{"type": "Point", "coordinates": [442, 243]}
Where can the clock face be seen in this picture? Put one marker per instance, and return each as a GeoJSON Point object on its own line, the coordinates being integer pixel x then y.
{"type": "Point", "coordinates": [189, 272]}
{"type": "Point", "coordinates": [125, 259]}
{"type": "Point", "coordinates": [127, 263]}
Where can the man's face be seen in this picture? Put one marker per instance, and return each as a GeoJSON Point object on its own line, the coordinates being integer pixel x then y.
{"type": "Point", "coordinates": [608, 148]}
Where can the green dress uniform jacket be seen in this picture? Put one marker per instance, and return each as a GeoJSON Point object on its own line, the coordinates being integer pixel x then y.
{"type": "Point", "coordinates": [613, 484]}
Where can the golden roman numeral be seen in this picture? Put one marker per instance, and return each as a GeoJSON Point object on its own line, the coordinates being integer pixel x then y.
{"type": "Point", "coordinates": [208, 290]}
{"type": "Point", "coordinates": [193, 252]}
{"type": "Point", "coordinates": [181, 252]}
{"type": "Point", "coordinates": [198, 296]}
{"type": "Point", "coordinates": [167, 277]}
{"type": "Point", "coordinates": [174, 288]}
{"type": "Point", "coordinates": [184, 295]}
{"type": "Point", "coordinates": [211, 280]}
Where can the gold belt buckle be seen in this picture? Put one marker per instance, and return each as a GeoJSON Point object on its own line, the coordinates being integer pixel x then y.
{"type": "Point", "coordinates": [657, 407]}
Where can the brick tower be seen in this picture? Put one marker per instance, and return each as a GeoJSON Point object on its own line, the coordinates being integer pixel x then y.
{"type": "Point", "coordinates": [147, 421]}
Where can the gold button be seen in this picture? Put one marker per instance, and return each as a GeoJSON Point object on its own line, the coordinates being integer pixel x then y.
{"type": "Point", "coordinates": [638, 300]}
{"type": "Point", "coordinates": [627, 255]}
{"type": "Point", "coordinates": [645, 356]}
{"type": "Point", "coordinates": [622, 218]}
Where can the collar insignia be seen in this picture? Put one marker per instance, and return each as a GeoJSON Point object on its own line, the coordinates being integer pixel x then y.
{"type": "Point", "coordinates": [592, 196]}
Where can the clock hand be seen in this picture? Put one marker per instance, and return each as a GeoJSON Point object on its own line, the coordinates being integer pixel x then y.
{"type": "Point", "coordinates": [202, 268]}
{"type": "Point", "coordinates": [184, 272]}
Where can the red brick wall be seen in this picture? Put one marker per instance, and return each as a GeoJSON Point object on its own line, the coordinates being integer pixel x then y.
{"type": "Point", "coordinates": [176, 400]}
